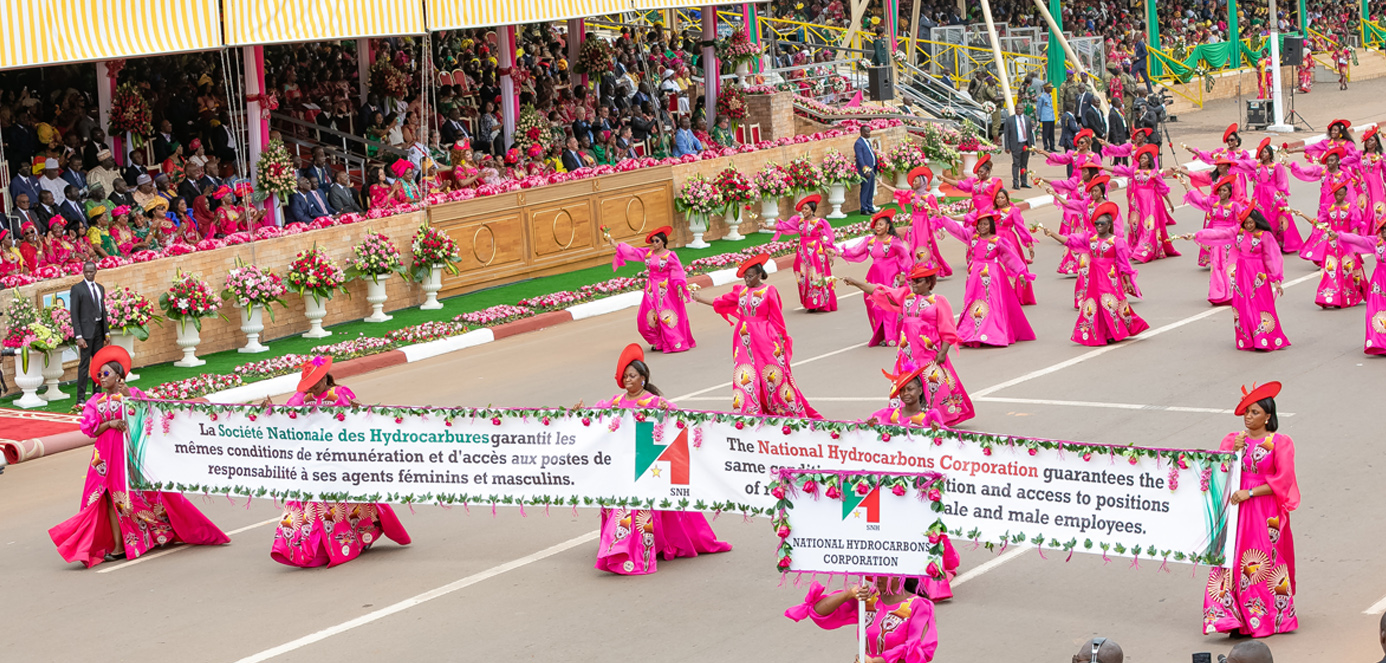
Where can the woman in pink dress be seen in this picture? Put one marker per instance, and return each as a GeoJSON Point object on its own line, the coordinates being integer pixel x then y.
{"type": "Point", "coordinates": [1257, 273]}
{"type": "Point", "coordinates": [1372, 168]}
{"type": "Point", "coordinates": [1080, 204]}
{"type": "Point", "coordinates": [1343, 283]}
{"type": "Point", "coordinates": [813, 258]}
{"type": "Point", "coordinates": [979, 186]}
{"type": "Point", "coordinates": [113, 523]}
{"type": "Point", "coordinates": [1339, 137]}
{"type": "Point", "coordinates": [633, 540]}
{"type": "Point", "coordinates": [1149, 212]}
{"type": "Point", "coordinates": [927, 333]}
{"type": "Point", "coordinates": [890, 261]}
{"type": "Point", "coordinates": [58, 251]}
{"type": "Point", "coordinates": [991, 312]}
{"type": "Point", "coordinates": [663, 317]}
{"type": "Point", "coordinates": [1329, 174]}
{"type": "Point", "coordinates": [1073, 220]}
{"type": "Point", "coordinates": [1221, 212]}
{"type": "Point", "coordinates": [762, 383]}
{"type": "Point", "coordinates": [900, 624]}
{"type": "Point", "coordinates": [1231, 153]}
{"type": "Point", "coordinates": [1105, 316]}
{"type": "Point", "coordinates": [1254, 593]}
{"type": "Point", "coordinates": [1010, 224]}
{"type": "Point", "coordinates": [329, 533]}
{"type": "Point", "coordinates": [924, 234]}
{"type": "Point", "coordinates": [1272, 194]}
{"type": "Point", "coordinates": [1374, 245]}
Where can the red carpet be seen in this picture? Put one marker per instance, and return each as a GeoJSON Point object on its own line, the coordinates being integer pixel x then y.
{"type": "Point", "coordinates": [19, 430]}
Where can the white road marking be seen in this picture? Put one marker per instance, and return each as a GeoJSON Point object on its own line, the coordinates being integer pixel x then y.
{"type": "Point", "coordinates": [801, 362]}
{"type": "Point", "coordinates": [991, 564]}
{"type": "Point", "coordinates": [170, 551]}
{"type": "Point", "coordinates": [420, 599]}
{"type": "Point", "coordinates": [1377, 608]}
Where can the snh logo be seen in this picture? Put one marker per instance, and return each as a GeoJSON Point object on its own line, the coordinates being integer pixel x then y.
{"type": "Point", "coordinates": [647, 452]}
{"type": "Point", "coordinates": [864, 507]}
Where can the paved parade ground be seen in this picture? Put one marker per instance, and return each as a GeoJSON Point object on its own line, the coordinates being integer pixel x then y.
{"type": "Point", "coordinates": [476, 587]}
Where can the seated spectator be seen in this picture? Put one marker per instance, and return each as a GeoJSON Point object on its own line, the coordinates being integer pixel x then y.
{"type": "Point", "coordinates": [145, 193]}
{"type": "Point", "coordinates": [319, 169]}
{"type": "Point", "coordinates": [685, 142]}
{"type": "Point", "coordinates": [722, 134]}
{"type": "Point", "coordinates": [340, 195]}
{"type": "Point", "coordinates": [571, 159]}
{"type": "Point", "coordinates": [307, 204]}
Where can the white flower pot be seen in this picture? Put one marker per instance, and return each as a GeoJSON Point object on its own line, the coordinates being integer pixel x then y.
{"type": "Point", "coordinates": [375, 294]}
{"type": "Point", "coordinates": [431, 288]}
{"type": "Point", "coordinates": [52, 375]}
{"type": "Point", "coordinates": [769, 214]}
{"type": "Point", "coordinates": [315, 310]}
{"type": "Point", "coordinates": [733, 221]}
{"type": "Point", "coordinates": [934, 183]}
{"type": "Point", "coordinates": [188, 338]}
{"type": "Point", "coordinates": [29, 380]}
{"type": "Point", "coordinates": [743, 68]}
{"type": "Point", "coordinates": [969, 162]}
{"type": "Point", "coordinates": [697, 224]}
{"type": "Point", "coordinates": [837, 195]}
{"type": "Point", "coordinates": [902, 181]}
{"type": "Point", "coordinates": [126, 341]}
{"type": "Point", "coordinates": [252, 323]}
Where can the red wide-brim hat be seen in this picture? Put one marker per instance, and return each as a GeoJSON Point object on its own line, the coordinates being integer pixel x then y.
{"type": "Point", "coordinates": [1107, 208]}
{"type": "Point", "coordinates": [898, 382]}
{"type": "Point", "coordinates": [816, 199]}
{"type": "Point", "coordinates": [1267, 390]}
{"type": "Point", "coordinates": [883, 214]}
{"type": "Point", "coordinates": [984, 160]}
{"type": "Point", "coordinates": [1227, 180]}
{"type": "Point", "coordinates": [1152, 149]}
{"type": "Point", "coordinates": [759, 259]}
{"type": "Point", "coordinates": [1099, 180]}
{"type": "Point", "coordinates": [633, 352]}
{"type": "Point", "coordinates": [1086, 133]}
{"type": "Point", "coordinates": [922, 271]}
{"type": "Point", "coordinates": [314, 370]}
{"type": "Point", "coordinates": [1230, 130]}
{"type": "Point", "coordinates": [1337, 151]}
{"type": "Point", "coordinates": [922, 171]}
{"type": "Point", "coordinates": [106, 355]}
{"type": "Point", "coordinates": [649, 239]}
{"type": "Point", "coordinates": [1265, 142]}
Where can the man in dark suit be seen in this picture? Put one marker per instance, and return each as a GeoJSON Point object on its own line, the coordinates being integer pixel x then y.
{"type": "Point", "coordinates": [191, 187]}
{"type": "Point", "coordinates": [23, 212]}
{"type": "Point", "coordinates": [320, 170]}
{"type": "Point", "coordinates": [571, 159]}
{"type": "Point", "coordinates": [72, 209]}
{"type": "Point", "coordinates": [1018, 139]}
{"type": "Point", "coordinates": [308, 204]}
{"type": "Point", "coordinates": [87, 304]}
{"type": "Point", "coordinates": [340, 195]}
{"type": "Point", "coordinates": [47, 208]}
{"type": "Point", "coordinates": [453, 130]}
{"type": "Point", "coordinates": [582, 128]}
{"type": "Point", "coordinates": [163, 141]}
{"type": "Point", "coordinates": [866, 168]}
{"type": "Point", "coordinates": [93, 147]}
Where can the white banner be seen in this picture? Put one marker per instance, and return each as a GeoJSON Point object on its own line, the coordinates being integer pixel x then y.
{"type": "Point", "coordinates": [1161, 503]}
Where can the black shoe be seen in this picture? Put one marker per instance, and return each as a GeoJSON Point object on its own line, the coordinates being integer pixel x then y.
{"type": "Point", "coordinates": [114, 557]}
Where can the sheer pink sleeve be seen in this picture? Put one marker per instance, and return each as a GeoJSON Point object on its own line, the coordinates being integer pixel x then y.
{"type": "Point", "coordinates": [1307, 172]}
{"type": "Point", "coordinates": [1065, 187]}
{"type": "Point", "coordinates": [90, 419]}
{"type": "Point", "coordinates": [676, 271]}
{"type": "Point", "coordinates": [1160, 185]}
{"type": "Point", "coordinates": [1065, 159]}
{"type": "Point", "coordinates": [968, 185]}
{"type": "Point", "coordinates": [845, 615]}
{"type": "Point", "coordinates": [921, 635]}
{"type": "Point", "coordinates": [947, 329]}
{"type": "Point", "coordinates": [1010, 257]}
{"type": "Point", "coordinates": [344, 395]}
{"type": "Point", "coordinates": [1205, 157]}
{"type": "Point", "coordinates": [858, 252]}
{"type": "Point", "coordinates": [1118, 151]}
{"type": "Point", "coordinates": [774, 311]}
{"type": "Point", "coordinates": [626, 253]}
{"type": "Point", "coordinates": [1200, 200]}
{"type": "Point", "coordinates": [1021, 231]}
{"type": "Point", "coordinates": [299, 398]}
{"type": "Point", "coordinates": [1275, 264]}
{"type": "Point", "coordinates": [889, 299]}
{"type": "Point", "coordinates": [1076, 204]}
{"type": "Point", "coordinates": [1283, 480]}
{"type": "Point", "coordinates": [1076, 241]}
{"type": "Point", "coordinates": [956, 229]}
{"type": "Point", "coordinates": [1359, 243]}
{"type": "Point", "coordinates": [1281, 178]}
{"type": "Point", "coordinates": [725, 305]}
{"type": "Point", "coordinates": [1216, 236]}
{"type": "Point", "coordinates": [788, 226]}
{"type": "Point", "coordinates": [1123, 171]}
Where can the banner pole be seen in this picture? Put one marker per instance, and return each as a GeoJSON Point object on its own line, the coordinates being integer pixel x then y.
{"type": "Point", "coordinates": [861, 628]}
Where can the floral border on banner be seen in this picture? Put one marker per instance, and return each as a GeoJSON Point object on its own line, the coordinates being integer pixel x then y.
{"type": "Point", "coordinates": [1176, 459]}
{"type": "Point", "coordinates": [788, 482]}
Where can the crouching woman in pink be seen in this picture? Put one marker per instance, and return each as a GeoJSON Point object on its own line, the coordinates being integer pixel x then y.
{"type": "Point", "coordinates": [633, 540]}
{"type": "Point", "coordinates": [900, 625]}
{"type": "Point", "coordinates": [113, 523]}
{"type": "Point", "coordinates": [329, 533]}
{"type": "Point", "coordinates": [1253, 594]}
{"type": "Point", "coordinates": [663, 316]}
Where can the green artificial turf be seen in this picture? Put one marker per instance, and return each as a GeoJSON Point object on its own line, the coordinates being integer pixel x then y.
{"type": "Point", "coordinates": [224, 363]}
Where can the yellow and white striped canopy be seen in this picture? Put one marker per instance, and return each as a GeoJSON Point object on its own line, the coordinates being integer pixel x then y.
{"type": "Point", "coordinates": [43, 32]}
{"type": "Point", "coordinates": [459, 14]}
{"type": "Point", "coordinates": [280, 21]}
{"type": "Point", "coordinates": [685, 4]}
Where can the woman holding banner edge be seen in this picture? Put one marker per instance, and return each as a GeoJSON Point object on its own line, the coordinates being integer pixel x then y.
{"type": "Point", "coordinates": [900, 625]}
{"type": "Point", "coordinates": [315, 534]}
{"type": "Point", "coordinates": [1254, 594]}
{"type": "Point", "coordinates": [633, 539]}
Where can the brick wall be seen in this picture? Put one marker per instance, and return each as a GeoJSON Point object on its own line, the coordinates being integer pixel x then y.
{"type": "Point", "coordinates": [773, 112]}
{"type": "Point", "coordinates": [152, 279]}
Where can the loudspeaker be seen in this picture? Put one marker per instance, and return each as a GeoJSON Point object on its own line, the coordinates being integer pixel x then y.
{"type": "Point", "coordinates": [1292, 52]}
{"type": "Point", "coordinates": [1257, 114]}
{"type": "Point", "coordinates": [881, 83]}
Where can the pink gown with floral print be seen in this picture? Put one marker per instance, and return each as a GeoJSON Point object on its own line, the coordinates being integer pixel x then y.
{"type": "Point", "coordinates": [1254, 594]}
{"type": "Point", "coordinates": [981, 191]}
{"type": "Point", "coordinates": [663, 315]}
{"type": "Point", "coordinates": [1217, 216]}
{"type": "Point", "coordinates": [1081, 205]}
{"type": "Point", "coordinates": [1104, 315]}
{"type": "Point", "coordinates": [813, 265]}
{"type": "Point", "coordinates": [1270, 195]}
{"type": "Point", "coordinates": [762, 383]}
{"type": "Point", "coordinates": [991, 313]}
{"type": "Point", "coordinates": [890, 261]}
{"type": "Point", "coordinates": [1211, 158]}
{"type": "Point", "coordinates": [1256, 265]}
{"type": "Point", "coordinates": [1343, 283]}
{"type": "Point", "coordinates": [146, 519]}
{"type": "Point", "coordinates": [1375, 343]}
{"type": "Point", "coordinates": [330, 533]}
{"type": "Point", "coordinates": [924, 232]}
{"type": "Point", "coordinates": [1148, 219]}
{"type": "Point", "coordinates": [1313, 248]}
{"type": "Point", "coordinates": [902, 633]}
{"type": "Point", "coordinates": [926, 323]}
{"type": "Point", "coordinates": [1012, 227]}
{"type": "Point", "coordinates": [1074, 220]}
{"type": "Point", "coordinates": [1372, 171]}
{"type": "Point", "coordinates": [633, 540]}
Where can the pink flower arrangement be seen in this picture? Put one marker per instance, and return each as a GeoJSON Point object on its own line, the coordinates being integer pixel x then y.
{"type": "Point", "coordinates": [249, 285]}
{"type": "Point", "coordinates": [772, 182]}
{"type": "Point", "coordinates": [194, 387]}
{"type": "Point", "coordinates": [495, 315]}
{"type": "Point", "coordinates": [189, 298]}
{"type": "Point", "coordinates": [804, 177]}
{"type": "Point", "coordinates": [425, 332]}
{"type": "Point", "coordinates": [699, 196]}
{"type": "Point", "coordinates": [313, 273]}
{"type": "Point", "coordinates": [433, 247]}
{"type": "Point", "coordinates": [839, 170]}
{"type": "Point", "coordinates": [129, 312]}
{"type": "Point", "coordinates": [59, 319]}
{"type": "Point", "coordinates": [735, 188]}
{"type": "Point", "coordinates": [374, 257]}
{"type": "Point", "coordinates": [359, 347]}
{"type": "Point", "coordinates": [18, 316]}
{"type": "Point", "coordinates": [272, 367]}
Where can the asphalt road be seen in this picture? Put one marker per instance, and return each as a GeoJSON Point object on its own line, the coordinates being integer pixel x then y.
{"type": "Point", "coordinates": [478, 587]}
